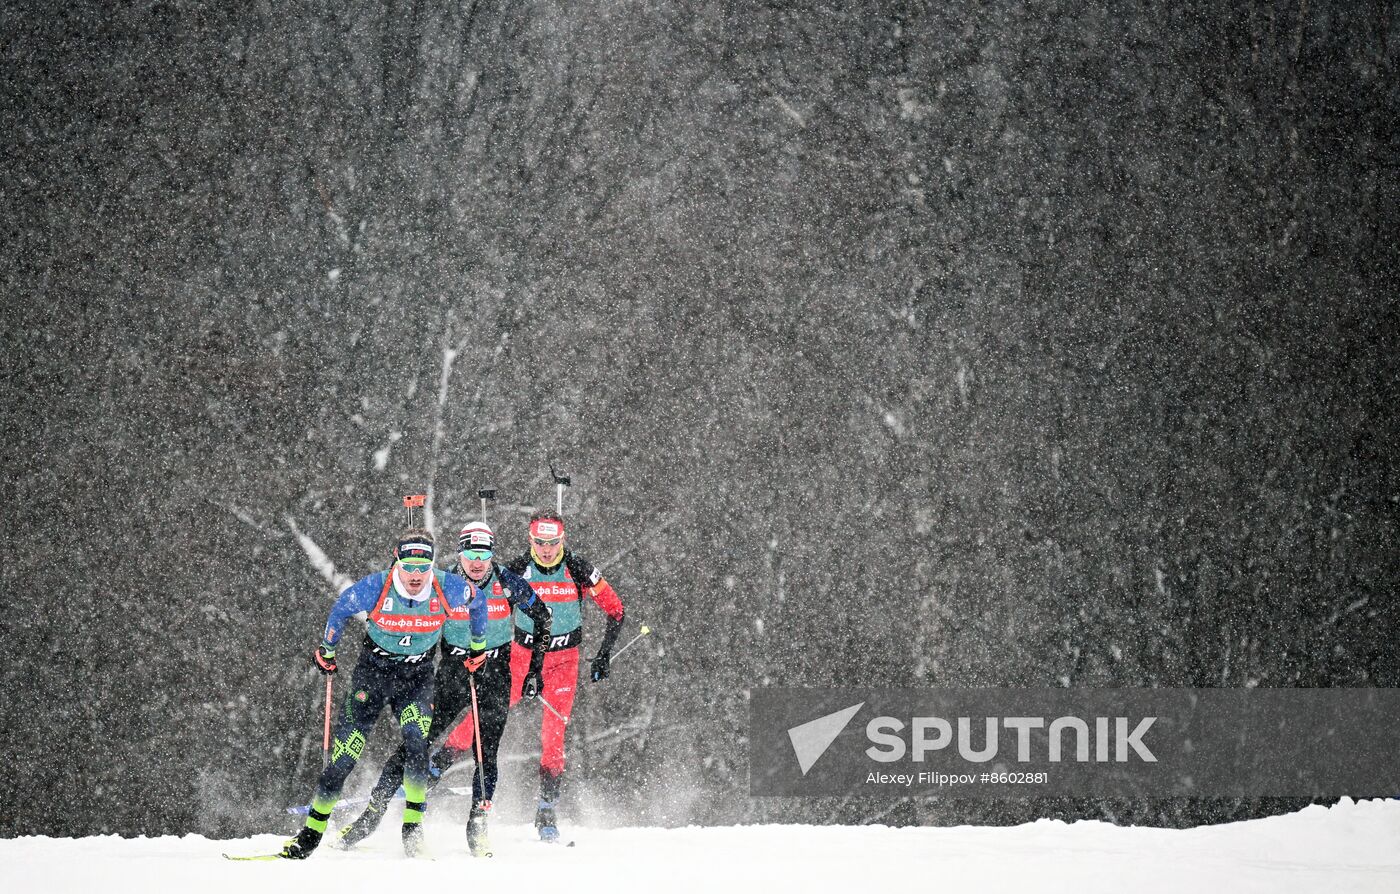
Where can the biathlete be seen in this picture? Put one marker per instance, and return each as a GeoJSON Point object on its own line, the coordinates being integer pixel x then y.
{"type": "Point", "coordinates": [506, 593]}
{"type": "Point", "coordinates": [405, 609]}
{"type": "Point", "coordinates": [561, 578]}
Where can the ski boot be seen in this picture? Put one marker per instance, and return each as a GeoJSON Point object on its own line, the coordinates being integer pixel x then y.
{"type": "Point", "coordinates": [439, 762]}
{"type": "Point", "coordinates": [363, 827]}
{"type": "Point", "coordinates": [477, 841]}
{"type": "Point", "coordinates": [545, 823]}
{"type": "Point", "coordinates": [300, 847]}
{"type": "Point", "coordinates": [412, 839]}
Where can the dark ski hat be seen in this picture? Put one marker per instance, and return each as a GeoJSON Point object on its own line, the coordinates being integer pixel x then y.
{"type": "Point", "coordinates": [414, 548]}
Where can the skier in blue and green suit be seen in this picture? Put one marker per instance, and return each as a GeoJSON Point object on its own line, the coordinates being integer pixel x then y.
{"type": "Point", "coordinates": [405, 609]}
{"type": "Point", "coordinates": [458, 689]}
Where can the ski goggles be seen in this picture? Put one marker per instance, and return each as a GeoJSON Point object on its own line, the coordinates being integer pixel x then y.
{"type": "Point", "coordinates": [546, 541]}
{"type": "Point", "coordinates": [416, 566]}
{"type": "Point", "coordinates": [477, 555]}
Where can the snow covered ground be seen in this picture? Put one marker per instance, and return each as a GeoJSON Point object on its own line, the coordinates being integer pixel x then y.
{"type": "Point", "coordinates": [1352, 847]}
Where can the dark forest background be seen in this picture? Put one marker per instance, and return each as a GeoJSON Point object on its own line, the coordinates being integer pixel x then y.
{"type": "Point", "coordinates": [899, 344]}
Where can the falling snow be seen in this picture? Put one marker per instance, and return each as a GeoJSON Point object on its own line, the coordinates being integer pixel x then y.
{"type": "Point", "coordinates": [887, 345]}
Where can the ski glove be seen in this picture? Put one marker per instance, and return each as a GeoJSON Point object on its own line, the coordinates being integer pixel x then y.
{"type": "Point", "coordinates": [474, 660]}
{"type": "Point", "coordinates": [532, 685]}
{"type": "Point", "coordinates": [599, 667]}
{"type": "Point", "coordinates": [325, 659]}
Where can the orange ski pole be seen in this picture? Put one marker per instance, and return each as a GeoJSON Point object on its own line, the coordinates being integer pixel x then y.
{"type": "Point", "coordinates": [476, 728]}
{"type": "Point", "coordinates": [326, 743]}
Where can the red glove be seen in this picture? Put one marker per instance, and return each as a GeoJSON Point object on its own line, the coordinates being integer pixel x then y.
{"type": "Point", "coordinates": [474, 660]}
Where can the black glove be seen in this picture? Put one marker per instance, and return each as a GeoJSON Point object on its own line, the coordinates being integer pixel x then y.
{"type": "Point", "coordinates": [532, 685]}
{"type": "Point", "coordinates": [600, 665]}
{"type": "Point", "coordinates": [325, 659]}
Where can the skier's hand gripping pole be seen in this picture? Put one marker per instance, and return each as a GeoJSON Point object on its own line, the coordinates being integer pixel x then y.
{"type": "Point", "coordinates": [601, 665]}
{"type": "Point", "coordinates": [544, 701]}
{"type": "Point", "coordinates": [325, 663]}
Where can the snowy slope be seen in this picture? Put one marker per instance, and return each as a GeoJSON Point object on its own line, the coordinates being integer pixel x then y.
{"type": "Point", "coordinates": [1353, 847]}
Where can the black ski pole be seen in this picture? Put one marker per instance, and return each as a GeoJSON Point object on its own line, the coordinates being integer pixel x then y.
{"type": "Point", "coordinates": [561, 481]}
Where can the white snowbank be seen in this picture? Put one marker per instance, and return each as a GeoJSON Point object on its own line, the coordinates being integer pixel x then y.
{"type": "Point", "coordinates": [1353, 847]}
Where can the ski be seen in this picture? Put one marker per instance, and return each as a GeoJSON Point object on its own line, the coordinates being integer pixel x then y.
{"type": "Point", "coordinates": [253, 857]}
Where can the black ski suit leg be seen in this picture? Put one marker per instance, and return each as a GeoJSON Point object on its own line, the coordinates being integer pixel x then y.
{"type": "Point", "coordinates": [449, 697]}
{"type": "Point", "coordinates": [493, 697]}
{"type": "Point", "coordinates": [454, 698]}
{"type": "Point", "coordinates": [412, 704]}
{"type": "Point", "coordinates": [370, 688]}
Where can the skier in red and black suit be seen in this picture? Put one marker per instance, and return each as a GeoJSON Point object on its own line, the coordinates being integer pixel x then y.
{"type": "Point", "coordinates": [561, 578]}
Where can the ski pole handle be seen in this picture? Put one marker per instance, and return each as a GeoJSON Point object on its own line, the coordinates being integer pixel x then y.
{"type": "Point", "coordinates": [645, 631]}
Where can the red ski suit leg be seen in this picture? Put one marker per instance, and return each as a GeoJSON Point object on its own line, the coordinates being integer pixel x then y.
{"type": "Point", "coordinates": [560, 683]}
{"type": "Point", "coordinates": [463, 734]}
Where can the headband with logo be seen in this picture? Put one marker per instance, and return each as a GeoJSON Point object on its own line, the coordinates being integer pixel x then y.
{"type": "Point", "coordinates": [414, 548]}
{"type": "Point", "coordinates": [546, 529]}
